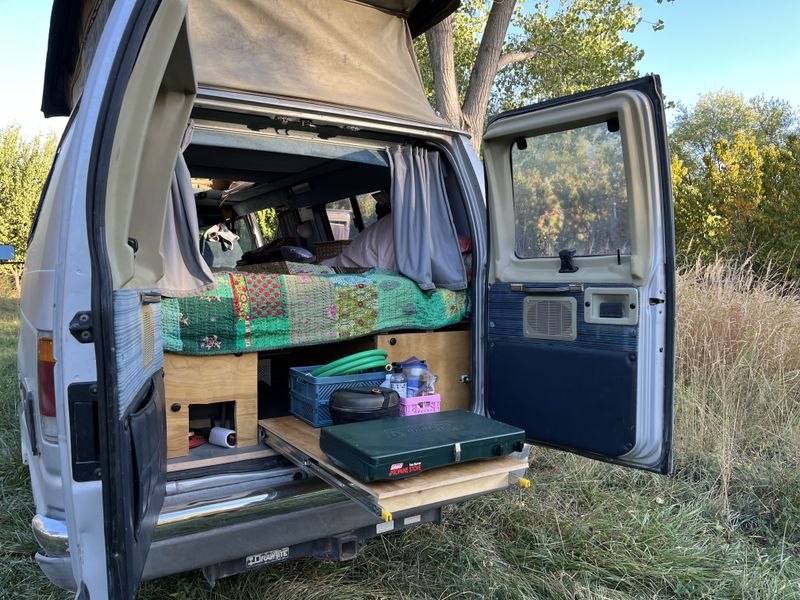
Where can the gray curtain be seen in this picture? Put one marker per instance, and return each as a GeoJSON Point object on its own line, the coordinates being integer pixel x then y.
{"type": "Point", "coordinates": [425, 239]}
{"type": "Point", "coordinates": [185, 271]}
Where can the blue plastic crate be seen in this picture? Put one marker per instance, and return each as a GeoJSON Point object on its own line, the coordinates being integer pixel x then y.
{"type": "Point", "coordinates": [310, 396]}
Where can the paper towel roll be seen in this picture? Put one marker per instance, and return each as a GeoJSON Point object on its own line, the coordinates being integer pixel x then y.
{"type": "Point", "coordinates": [220, 436]}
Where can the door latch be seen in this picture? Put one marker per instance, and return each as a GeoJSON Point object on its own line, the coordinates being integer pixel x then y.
{"type": "Point", "coordinates": [566, 256]}
{"type": "Point", "coordinates": [81, 327]}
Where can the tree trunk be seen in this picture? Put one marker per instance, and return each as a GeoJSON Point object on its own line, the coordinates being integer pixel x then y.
{"type": "Point", "coordinates": [440, 48]}
{"type": "Point", "coordinates": [472, 117]}
{"type": "Point", "coordinates": [484, 70]}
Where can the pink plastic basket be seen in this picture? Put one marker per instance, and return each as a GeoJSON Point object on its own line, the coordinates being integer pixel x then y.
{"type": "Point", "coordinates": [420, 405]}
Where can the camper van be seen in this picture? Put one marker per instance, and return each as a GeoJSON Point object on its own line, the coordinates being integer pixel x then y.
{"type": "Point", "coordinates": [536, 283]}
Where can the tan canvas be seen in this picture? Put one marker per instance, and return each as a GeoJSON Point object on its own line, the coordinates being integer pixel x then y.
{"type": "Point", "coordinates": [333, 51]}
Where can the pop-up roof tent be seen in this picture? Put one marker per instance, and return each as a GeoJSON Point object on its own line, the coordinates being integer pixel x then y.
{"type": "Point", "coordinates": [357, 54]}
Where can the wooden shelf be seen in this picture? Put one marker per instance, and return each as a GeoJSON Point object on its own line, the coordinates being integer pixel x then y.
{"type": "Point", "coordinates": [299, 442]}
{"type": "Point", "coordinates": [208, 380]}
{"type": "Point", "coordinates": [209, 455]}
{"type": "Point", "coordinates": [448, 355]}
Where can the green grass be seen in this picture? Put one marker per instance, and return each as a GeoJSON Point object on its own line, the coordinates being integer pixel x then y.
{"type": "Point", "coordinates": [725, 525]}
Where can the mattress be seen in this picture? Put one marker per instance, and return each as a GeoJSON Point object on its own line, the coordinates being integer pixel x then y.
{"type": "Point", "coordinates": [248, 312]}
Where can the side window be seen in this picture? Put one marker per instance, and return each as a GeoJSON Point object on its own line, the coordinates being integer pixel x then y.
{"type": "Point", "coordinates": [341, 219]}
{"type": "Point", "coordinates": [570, 192]}
{"type": "Point", "coordinates": [241, 227]}
{"type": "Point", "coordinates": [366, 203]}
{"type": "Point", "coordinates": [347, 218]}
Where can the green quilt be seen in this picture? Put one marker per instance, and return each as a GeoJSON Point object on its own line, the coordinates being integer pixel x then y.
{"type": "Point", "coordinates": [258, 311]}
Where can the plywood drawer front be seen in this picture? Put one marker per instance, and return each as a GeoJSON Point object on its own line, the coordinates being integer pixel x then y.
{"type": "Point", "coordinates": [207, 379]}
{"type": "Point", "coordinates": [447, 354]}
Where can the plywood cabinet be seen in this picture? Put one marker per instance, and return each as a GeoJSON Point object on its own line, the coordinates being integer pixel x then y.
{"type": "Point", "coordinates": [448, 355]}
{"type": "Point", "coordinates": [207, 380]}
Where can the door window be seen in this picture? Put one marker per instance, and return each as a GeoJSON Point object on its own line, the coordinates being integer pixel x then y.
{"type": "Point", "coordinates": [570, 192]}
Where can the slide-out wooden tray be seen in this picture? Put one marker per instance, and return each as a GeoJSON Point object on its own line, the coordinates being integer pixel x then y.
{"type": "Point", "coordinates": [299, 442]}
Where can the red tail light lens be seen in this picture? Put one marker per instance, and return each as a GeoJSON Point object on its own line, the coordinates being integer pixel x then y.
{"type": "Point", "coordinates": [46, 365]}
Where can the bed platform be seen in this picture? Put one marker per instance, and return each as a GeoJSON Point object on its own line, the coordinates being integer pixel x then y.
{"type": "Point", "coordinates": [250, 312]}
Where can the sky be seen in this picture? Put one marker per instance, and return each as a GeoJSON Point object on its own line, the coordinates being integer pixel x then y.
{"type": "Point", "coordinates": [748, 46]}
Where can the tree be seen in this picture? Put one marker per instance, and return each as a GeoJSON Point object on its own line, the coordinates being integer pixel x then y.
{"type": "Point", "coordinates": [721, 115]}
{"type": "Point", "coordinates": [736, 181]}
{"type": "Point", "coordinates": [24, 165]}
{"type": "Point", "coordinates": [493, 55]}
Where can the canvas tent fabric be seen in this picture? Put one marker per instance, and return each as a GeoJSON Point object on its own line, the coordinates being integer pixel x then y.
{"type": "Point", "coordinates": [76, 25]}
{"type": "Point", "coordinates": [425, 238]}
{"type": "Point", "coordinates": [338, 52]}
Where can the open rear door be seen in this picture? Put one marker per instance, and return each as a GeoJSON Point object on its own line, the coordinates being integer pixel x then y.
{"type": "Point", "coordinates": [113, 175]}
{"type": "Point", "coordinates": [581, 293]}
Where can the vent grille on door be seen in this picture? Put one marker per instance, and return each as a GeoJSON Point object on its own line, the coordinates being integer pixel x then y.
{"type": "Point", "coordinates": [550, 318]}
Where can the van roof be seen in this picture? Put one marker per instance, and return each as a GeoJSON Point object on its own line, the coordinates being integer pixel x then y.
{"type": "Point", "coordinates": [383, 77]}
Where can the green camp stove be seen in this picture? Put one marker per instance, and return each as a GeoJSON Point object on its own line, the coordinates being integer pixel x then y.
{"type": "Point", "coordinates": [387, 449]}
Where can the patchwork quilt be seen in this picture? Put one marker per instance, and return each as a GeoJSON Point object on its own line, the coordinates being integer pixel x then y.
{"type": "Point", "coordinates": [262, 311]}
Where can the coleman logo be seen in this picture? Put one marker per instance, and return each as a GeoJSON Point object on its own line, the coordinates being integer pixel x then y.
{"type": "Point", "coordinates": [398, 469]}
{"type": "Point", "coordinates": [256, 560]}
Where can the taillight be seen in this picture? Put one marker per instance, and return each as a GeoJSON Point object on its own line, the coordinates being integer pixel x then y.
{"type": "Point", "coordinates": [45, 367]}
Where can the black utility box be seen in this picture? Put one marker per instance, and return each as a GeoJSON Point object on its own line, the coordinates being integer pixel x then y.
{"type": "Point", "coordinates": [402, 446]}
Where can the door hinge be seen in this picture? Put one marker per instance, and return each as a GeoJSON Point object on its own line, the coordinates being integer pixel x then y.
{"type": "Point", "coordinates": [81, 327]}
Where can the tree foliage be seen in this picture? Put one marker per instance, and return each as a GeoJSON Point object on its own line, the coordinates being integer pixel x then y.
{"type": "Point", "coordinates": [24, 165]}
{"type": "Point", "coordinates": [570, 47]}
{"type": "Point", "coordinates": [546, 49]}
{"type": "Point", "coordinates": [736, 180]}
{"type": "Point", "coordinates": [570, 192]}
{"type": "Point", "coordinates": [268, 223]}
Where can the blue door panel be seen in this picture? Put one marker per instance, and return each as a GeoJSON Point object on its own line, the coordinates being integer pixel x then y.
{"type": "Point", "coordinates": [505, 320]}
{"type": "Point", "coordinates": [577, 394]}
{"type": "Point", "coordinates": [559, 402]}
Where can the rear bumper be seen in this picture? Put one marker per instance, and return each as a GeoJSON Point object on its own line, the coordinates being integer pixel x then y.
{"type": "Point", "coordinates": [280, 523]}
{"type": "Point", "coordinates": [227, 551]}
{"type": "Point", "coordinates": [51, 535]}
{"type": "Point", "coordinates": [220, 532]}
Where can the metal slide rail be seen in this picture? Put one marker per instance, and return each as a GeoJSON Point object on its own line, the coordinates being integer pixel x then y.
{"type": "Point", "coordinates": [312, 466]}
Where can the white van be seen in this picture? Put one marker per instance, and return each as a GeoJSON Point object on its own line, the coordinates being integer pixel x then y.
{"type": "Point", "coordinates": [565, 329]}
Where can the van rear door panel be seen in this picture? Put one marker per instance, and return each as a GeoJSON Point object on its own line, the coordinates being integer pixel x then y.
{"type": "Point", "coordinates": [108, 358]}
{"type": "Point", "coordinates": [581, 295]}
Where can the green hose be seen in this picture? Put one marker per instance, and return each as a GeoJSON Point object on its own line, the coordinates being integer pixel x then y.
{"type": "Point", "coordinates": [355, 367]}
{"type": "Point", "coordinates": [324, 370]}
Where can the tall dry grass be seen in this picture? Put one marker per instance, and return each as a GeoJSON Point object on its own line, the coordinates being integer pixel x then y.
{"type": "Point", "coordinates": [738, 377]}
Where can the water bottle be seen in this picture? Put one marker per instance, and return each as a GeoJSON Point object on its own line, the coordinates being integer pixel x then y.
{"type": "Point", "coordinates": [398, 381]}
